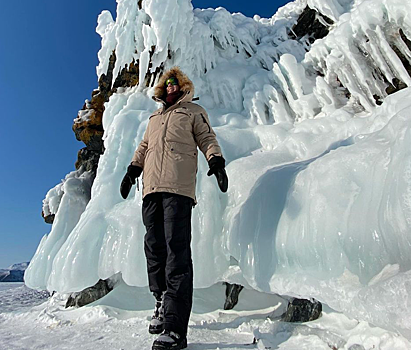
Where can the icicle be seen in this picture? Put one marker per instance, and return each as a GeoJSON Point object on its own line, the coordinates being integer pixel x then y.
{"type": "Point", "coordinates": [394, 60]}
{"type": "Point", "coordinates": [297, 88]}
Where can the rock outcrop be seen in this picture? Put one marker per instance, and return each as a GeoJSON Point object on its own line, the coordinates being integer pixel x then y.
{"type": "Point", "coordinates": [397, 84]}
{"type": "Point", "coordinates": [302, 310]}
{"type": "Point", "coordinates": [88, 295]}
{"type": "Point", "coordinates": [88, 126]}
{"type": "Point", "coordinates": [48, 219]}
{"type": "Point", "coordinates": [232, 293]}
{"type": "Point", "coordinates": [311, 24]}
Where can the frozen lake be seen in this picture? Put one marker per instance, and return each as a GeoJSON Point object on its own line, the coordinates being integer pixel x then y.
{"type": "Point", "coordinates": [14, 296]}
{"type": "Point", "coordinates": [10, 285]}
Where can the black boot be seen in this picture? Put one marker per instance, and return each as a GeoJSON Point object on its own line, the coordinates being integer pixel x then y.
{"type": "Point", "coordinates": [157, 320]}
{"type": "Point", "coordinates": [170, 340]}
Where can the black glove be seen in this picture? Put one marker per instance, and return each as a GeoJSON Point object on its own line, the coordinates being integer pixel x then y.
{"type": "Point", "coordinates": [133, 172]}
{"type": "Point", "coordinates": [217, 165]}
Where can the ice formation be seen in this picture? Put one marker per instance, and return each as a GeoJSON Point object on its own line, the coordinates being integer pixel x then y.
{"type": "Point", "coordinates": [318, 154]}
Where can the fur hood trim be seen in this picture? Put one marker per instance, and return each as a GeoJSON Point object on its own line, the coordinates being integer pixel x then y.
{"type": "Point", "coordinates": [184, 82]}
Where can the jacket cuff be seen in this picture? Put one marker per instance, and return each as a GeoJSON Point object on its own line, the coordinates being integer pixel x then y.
{"type": "Point", "coordinates": [134, 170]}
{"type": "Point", "coordinates": [213, 152]}
{"type": "Point", "coordinates": [216, 161]}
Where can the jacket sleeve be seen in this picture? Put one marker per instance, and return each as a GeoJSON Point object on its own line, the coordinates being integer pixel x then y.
{"type": "Point", "coordinates": [140, 152]}
{"type": "Point", "coordinates": [204, 135]}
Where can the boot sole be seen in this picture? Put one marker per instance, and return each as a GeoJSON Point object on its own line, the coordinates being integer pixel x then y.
{"type": "Point", "coordinates": [183, 345]}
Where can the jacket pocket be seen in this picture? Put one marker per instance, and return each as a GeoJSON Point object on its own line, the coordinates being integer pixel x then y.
{"type": "Point", "coordinates": [181, 164]}
{"type": "Point", "coordinates": [183, 111]}
{"type": "Point", "coordinates": [178, 148]}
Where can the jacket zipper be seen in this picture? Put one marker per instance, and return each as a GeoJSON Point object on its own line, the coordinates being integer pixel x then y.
{"type": "Point", "coordinates": [166, 119]}
{"type": "Point", "coordinates": [164, 112]}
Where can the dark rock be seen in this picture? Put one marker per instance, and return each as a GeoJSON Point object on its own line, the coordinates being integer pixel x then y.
{"type": "Point", "coordinates": [405, 39]}
{"type": "Point", "coordinates": [104, 83]}
{"type": "Point", "coordinates": [49, 219]}
{"type": "Point", "coordinates": [88, 159]}
{"type": "Point", "coordinates": [91, 135]}
{"type": "Point", "coordinates": [128, 76]}
{"type": "Point", "coordinates": [151, 77]}
{"type": "Point", "coordinates": [404, 60]}
{"type": "Point", "coordinates": [397, 84]}
{"type": "Point", "coordinates": [90, 129]}
{"type": "Point", "coordinates": [88, 295]}
{"type": "Point", "coordinates": [378, 100]}
{"type": "Point", "coordinates": [302, 310]}
{"type": "Point", "coordinates": [312, 24]}
{"type": "Point", "coordinates": [232, 292]}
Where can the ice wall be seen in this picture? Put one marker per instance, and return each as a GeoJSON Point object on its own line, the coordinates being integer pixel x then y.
{"type": "Point", "coordinates": [68, 200]}
{"type": "Point", "coordinates": [318, 155]}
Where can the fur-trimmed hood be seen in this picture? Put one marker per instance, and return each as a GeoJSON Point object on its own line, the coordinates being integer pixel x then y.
{"type": "Point", "coordinates": [186, 85]}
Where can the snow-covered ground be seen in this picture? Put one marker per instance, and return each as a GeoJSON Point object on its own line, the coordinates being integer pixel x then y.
{"type": "Point", "coordinates": [120, 321]}
{"type": "Point", "coordinates": [15, 296]}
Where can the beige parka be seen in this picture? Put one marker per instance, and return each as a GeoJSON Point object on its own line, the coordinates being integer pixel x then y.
{"type": "Point", "coordinates": [168, 152]}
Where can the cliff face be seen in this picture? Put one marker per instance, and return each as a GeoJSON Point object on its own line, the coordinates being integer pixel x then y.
{"type": "Point", "coordinates": [88, 126]}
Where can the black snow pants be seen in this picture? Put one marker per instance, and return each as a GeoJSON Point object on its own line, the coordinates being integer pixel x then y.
{"type": "Point", "coordinates": [167, 218]}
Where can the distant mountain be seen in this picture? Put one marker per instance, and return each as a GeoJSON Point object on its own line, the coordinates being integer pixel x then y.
{"type": "Point", "coordinates": [14, 273]}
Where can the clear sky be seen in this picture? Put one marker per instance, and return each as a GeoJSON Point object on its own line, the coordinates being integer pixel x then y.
{"type": "Point", "coordinates": [48, 55]}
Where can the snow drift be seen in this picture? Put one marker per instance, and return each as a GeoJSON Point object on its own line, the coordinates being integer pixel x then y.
{"type": "Point", "coordinates": [319, 161]}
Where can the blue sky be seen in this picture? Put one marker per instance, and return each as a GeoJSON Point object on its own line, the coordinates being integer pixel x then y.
{"type": "Point", "coordinates": [48, 55]}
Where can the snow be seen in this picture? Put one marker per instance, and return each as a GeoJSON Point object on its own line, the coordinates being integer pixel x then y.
{"type": "Point", "coordinates": [120, 321]}
{"type": "Point", "coordinates": [332, 9]}
{"type": "Point", "coordinates": [19, 266]}
{"type": "Point", "coordinates": [77, 182]}
{"type": "Point", "coordinates": [319, 199]}
{"type": "Point", "coordinates": [15, 297]}
{"type": "Point", "coordinates": [10, 285]}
